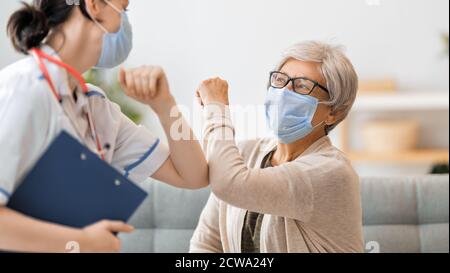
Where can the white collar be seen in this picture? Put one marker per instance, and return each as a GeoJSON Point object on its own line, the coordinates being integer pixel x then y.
{"type": "Point", "coordinates": [60, 79]}
{"type": "Point", "coordinates": [58, 74]}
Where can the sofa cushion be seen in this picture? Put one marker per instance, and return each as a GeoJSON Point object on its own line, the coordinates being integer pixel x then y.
{"type": "Point", "coordinates": [400, 214]}
{"type": "Point", "coordinates": [389, 201]}
{"type": "Point", "coordinates": [407, 214]}
{"type": "Point", "coordinates": [393, 238]}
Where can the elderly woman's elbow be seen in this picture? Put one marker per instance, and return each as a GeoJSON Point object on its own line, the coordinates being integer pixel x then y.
{"type": "Point", "coordinates": [220, 186]}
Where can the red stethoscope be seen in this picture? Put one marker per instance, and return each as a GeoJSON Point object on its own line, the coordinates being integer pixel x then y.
{"type": "Point", "coordinates": [39, 57]}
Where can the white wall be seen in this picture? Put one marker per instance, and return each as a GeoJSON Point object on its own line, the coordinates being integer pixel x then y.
{"type": "Point", "coordinates": [7, 54]}
{"type": "Point", "coordinates": [241, 40]}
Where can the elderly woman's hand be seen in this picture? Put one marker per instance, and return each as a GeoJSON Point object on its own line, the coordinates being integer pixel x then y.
{"type": "Point", "coordinates": [213, 91]}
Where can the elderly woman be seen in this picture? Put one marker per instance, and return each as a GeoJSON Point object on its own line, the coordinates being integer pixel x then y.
{"type": "Point", "coordinates": [295, 193]}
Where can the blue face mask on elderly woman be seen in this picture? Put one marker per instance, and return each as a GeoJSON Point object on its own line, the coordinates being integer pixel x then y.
{"type": "Point", "coordinates": [116, 46]}
{"type": "Point", "coordinates": [289, 114]}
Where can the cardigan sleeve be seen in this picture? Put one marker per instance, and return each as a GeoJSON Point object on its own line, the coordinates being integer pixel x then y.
{"type": "Point", "coordinates": [206, 238]}
{"type": "Point", "coordinates": [287, 190]}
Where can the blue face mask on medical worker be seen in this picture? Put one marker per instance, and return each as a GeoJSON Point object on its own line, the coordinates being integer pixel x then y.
{"type": "Point", "coordinates": [116, 46]}
{"type": "Point", "coordinates": [289, 114]}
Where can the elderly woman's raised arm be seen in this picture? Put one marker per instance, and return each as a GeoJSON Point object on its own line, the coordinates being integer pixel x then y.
{"type": "Point", "coordinates": [285, 190]}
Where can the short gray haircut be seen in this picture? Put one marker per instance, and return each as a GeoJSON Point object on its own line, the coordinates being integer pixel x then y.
{"type": "Point", "coordinates": [337, 70]}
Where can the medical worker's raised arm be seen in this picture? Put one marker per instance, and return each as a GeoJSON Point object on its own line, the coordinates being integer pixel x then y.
{"type": "Point", "coordinates": [186, 167]}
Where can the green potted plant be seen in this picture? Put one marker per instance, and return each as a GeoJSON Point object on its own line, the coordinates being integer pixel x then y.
{"type": "Point", "coordinates": [114, 92]}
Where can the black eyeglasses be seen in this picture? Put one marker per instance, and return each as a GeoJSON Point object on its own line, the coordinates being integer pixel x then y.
{"type": "Point", "coordinates": [301, 85]}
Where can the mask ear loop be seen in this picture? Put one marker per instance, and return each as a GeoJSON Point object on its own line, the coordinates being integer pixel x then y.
{"type": "Point", "coordinates": [113, 7]}
{"type": "Point", "coordinates": [323, 122]}
{"type": "Point", "coordinates": [98, 23]}
{"type": "Point", "coordinates": [320, 124]}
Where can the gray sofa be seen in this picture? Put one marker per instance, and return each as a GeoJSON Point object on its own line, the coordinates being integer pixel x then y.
{"type": "Point", "coordinates": [399, 215]}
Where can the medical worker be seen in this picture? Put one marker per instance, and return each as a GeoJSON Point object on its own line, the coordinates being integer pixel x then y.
{"type": "Point", "coordinates": [44, 94]}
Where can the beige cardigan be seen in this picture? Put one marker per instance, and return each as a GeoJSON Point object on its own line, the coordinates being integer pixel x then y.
{"type": "Point", "coordinates": [311, 204]}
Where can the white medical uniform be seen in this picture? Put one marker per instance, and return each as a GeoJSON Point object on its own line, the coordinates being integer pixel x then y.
{"type": "Point", "coordinates": [31, 117]}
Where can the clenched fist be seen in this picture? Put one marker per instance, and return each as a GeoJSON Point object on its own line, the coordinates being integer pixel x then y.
{"type": "Point", "coordinates": [213, 91]}
{"type": "Point", "coordinates": [149, 85]}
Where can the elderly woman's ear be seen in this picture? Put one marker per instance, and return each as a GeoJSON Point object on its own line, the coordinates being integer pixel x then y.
{"type": "Point", "coordinates": [334, 117]}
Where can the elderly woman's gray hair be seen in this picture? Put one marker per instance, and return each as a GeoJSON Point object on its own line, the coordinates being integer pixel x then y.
{"type": "Point", "coordinates": [337, 70]}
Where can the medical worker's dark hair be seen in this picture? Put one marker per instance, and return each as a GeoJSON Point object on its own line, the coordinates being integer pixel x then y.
{"type": "Point", "coordinates": [29, 26]}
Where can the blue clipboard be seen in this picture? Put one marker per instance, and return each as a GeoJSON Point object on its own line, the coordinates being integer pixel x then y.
{"type": "Point", "coordinates": [72, 186]}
